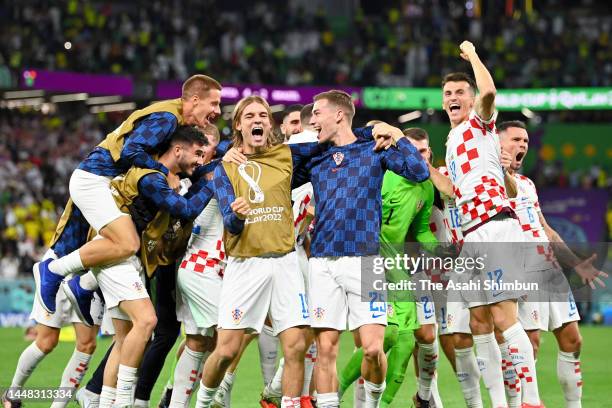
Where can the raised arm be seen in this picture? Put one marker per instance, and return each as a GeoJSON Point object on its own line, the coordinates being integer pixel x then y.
{"type": "Point", "coordinates": [485, 103]}
{"type": "Point", "coordinates": [155, 187]}
{"type": "Point", "coordinates": [152, 132]}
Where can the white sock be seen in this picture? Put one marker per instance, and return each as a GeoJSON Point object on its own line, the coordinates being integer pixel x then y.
{"type": "Point", "coordinates": [428, 362]}
{"type": "Point", "coordinates": [290, 402]}
{"type": "Point", "coordinates": [88, 281]}
{"type": "Point", "coordinates": [126, 381]}
{"type": "Point", "coordinates": [29, 359]}
{"type": "Point", "coordinates": [309, 362]}
{"type": "Point", "coordinates": [328, 400]}
{"type": "Point", "coordinates": [435, 393]}
{"type": "Point", "coordinates": [205, 396]}
{"type": "Point", "coordinates": [512, 384]}
{"type": "Point", "coordinates": [373, 393]}
{"type": "Point", "coordinates": [468, 376]}
{"type": "Point", "coordinates": [73, 374]}
{"type": "Point", "coordinates": [268, 351]}
{"type": "Point", "coordinates": [274, 388]}
{"type": "Point", "coordinates": [67, 264]}
{"type": "Point", "coordinates": [521, 352]}
{"type": "Point", "coordinates": [186, 376]}
{"type": "Point", "coordinates": [570, 378]}
{"type": "Point", "coordinates": [224, 393]}
{"type": "Point", "coordinates": [488, 356]}
{"type": "Point", "coordinates": [107, 396]}
{"type": "Point", "coordinates": [138, 403]}
{"type": "Point", "coordinates": [359, 394]}
{"type": "Point", "coordinates": [93, 399]}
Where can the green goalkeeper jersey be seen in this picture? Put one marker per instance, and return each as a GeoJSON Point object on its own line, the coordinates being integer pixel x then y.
{"type": "Point", "coordinates": [406, 209]}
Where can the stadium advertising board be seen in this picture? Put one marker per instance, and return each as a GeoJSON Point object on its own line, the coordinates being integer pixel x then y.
{"type": "Point", "coordinates": [507, 99]}
{"type": "Point", "coordinates": [74, 82]}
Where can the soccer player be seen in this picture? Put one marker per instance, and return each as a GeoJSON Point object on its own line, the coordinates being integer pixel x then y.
{"type": "Point", "coordinates": [477, 183]}
{"type": "Point", "coordinates": [48, 325]}
{"type": "Point", "coordinates": [199, 280]}
{"type": "Point", "coordinates": [553, 308]}
{"type": "Point", "coordinates": [291, 123]}
{"type": "Point", "coordinates": [347, 181]}
{"type": "Point", "coordinates": [262, 274]}
{"type": "Point", "coordinates": [162, 217]}
{"type": "Point", "coordinates": [132, 143]}
{"type": "Point", "coordinates": [308, 135]}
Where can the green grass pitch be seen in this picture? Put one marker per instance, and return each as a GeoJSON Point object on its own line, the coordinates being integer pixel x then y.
{"type": "Point", "coordinates": [596, 366]}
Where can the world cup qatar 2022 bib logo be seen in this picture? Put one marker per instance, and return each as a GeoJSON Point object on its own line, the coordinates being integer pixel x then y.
{"type": "Point", "coordinates": [251, 173]}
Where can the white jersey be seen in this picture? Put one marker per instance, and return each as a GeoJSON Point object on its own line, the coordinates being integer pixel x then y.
{"type": "Point", "coordinates": [302, 197]}
{"type": "Point", "coordinates": [446, 223]}
{"type": "Point", "coordinates": [206, 242]}
{"type": "Point", "coordinates": [473, 161]}
{"type": "Point", "coordinates": [527, 208]}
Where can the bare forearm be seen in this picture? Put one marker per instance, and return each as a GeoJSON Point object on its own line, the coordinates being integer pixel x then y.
{"type": "Point", "coordinates": [511, 189]}
{"type": "Point", "coordinates": [563, 253]}
{"type": "Point", "coordinates": [441, 182]}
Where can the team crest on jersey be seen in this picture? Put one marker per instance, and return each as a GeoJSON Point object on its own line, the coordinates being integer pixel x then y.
{"type": "Point", "coordinates": [151, 244]}
{"type": "Point", "coordinates": [137, 286]}
{"type": "Point", "coordinates": [338, 157]}
{"type": "Point", "coordinates": [237, 315]}
{"type": "Point", "coordinates": [318, 313]}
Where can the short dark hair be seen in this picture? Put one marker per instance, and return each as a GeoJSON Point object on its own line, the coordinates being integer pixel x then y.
{"type": "Point", "coordinates": [199, 85]}
{"type": "Point", "coordinates": [306, 113]}
{"type": "Point", "coordinates": [416, 134]}
{"type": "Point", "coordinates": [510, 124]}
{"type": "Point", "coordinates": [459, 77]}
{"type": "Point", "coordinates": [341, 99]}
{"type": "Point", "coordinates": [292, 108]}
{"type": "Point", "coordinates": [189, 135]}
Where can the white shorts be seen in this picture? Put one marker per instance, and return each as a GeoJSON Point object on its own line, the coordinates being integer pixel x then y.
{"type": "Point", "coordinates": [254, 287]}
{"type": "Point", "coordinates": [457, 318]}
{"type": "Point", "coordinates": [303, 263]}
{"type": "Point", "coordinates": [335, 298]}
{"type": "Point", "coordinates": [64, 312]}
{"type": "Point", "coordinates": [552, 307]}
{"type": "Point", "coordinates": [119, 282]}
{"type": "Point", "coordinates": [107, 328]}
{"type": "Point", "coordinates": [498, 247]}
{"type": "Point", "coordinates": [197, 297]}
{"type": "Point", "coordinates": [92, 194]}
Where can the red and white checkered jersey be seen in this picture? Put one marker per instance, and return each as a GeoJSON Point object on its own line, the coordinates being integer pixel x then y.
{"type": "Point", "coordinates": [473, 161]}
{"type": "Point", "coordinates": [540, 255]}
{"type": "Point", "coordinates": [302, 197]}
{"type": "Point", "coordinates": [205, 247]}
{"type": "Point", "coordinates": [446, 223]}
{"type": "Point", "coordinates": [527, 208]}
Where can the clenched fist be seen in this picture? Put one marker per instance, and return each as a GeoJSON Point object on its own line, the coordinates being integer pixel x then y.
{"type": "Point", "coordinates": [467, 50]}
{"type": "Point", "coordinates": [506, 159]}
{"type": "Point", "coordinates": [240, 207]}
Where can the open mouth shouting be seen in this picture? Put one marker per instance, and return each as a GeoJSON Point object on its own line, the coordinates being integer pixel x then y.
{"type": "Point", "coordinates": [257, 132]}
{"type": "Point", "coordinates": [454, 107]}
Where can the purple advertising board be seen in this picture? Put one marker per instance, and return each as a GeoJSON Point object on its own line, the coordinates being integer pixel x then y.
{"type": "Point", "coordinates": [577, 214]}
{"type": "Point", "coordinates": [73, 82]}
{"type": "Point", "coordinates": [273, 94]}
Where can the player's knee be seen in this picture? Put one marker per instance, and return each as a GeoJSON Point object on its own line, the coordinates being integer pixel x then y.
{"type": "Point", "coordinates": [87, 346]}
{"type": "Point", "coordinates": [127, 246]}
{"type": "Point", "coordinates": [480, 326]}
{"type": "Point", "coordinates": [296, 350]}
{"type": "Point", "coordinates": [47, 344]}
{"type": "Point", "coordinates": [327, 350]}
{"type": "Point", "coordinates": [227, 354]}
{"type": "Point", "coordinates": [372, 351]}
{"type": "Point", "coordinates": [425, 336]}
{"type": "Point", "coordinates": [146, 323]}
{"type": "Point", "coordinates": [573, 343]}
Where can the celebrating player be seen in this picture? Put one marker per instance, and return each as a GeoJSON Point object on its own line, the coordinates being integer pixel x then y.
{"type": "Point", "coordinates": [132, 143]}
{"type": "Point", "coordinates": [347, 181]}
{"type": "Point", "coordinates": [477, 183]}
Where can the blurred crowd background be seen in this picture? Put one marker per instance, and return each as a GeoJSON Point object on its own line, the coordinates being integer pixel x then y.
{"type": "Point", "coordinates": [550, 43]}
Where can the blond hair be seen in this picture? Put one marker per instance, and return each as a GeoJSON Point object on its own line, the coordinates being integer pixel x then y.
{"type": "Point", "coordinates": [340, 99]}
{"type": "Point", "coordinates": [199, 85]}
{"type": "Point", "coordinates": [236, 115]}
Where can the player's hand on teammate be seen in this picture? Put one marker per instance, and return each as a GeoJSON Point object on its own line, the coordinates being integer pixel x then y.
{"type": "Point", "coordinates": [174, 182]}
{"type": "Point", "coordinates": [234, 155]}
{"type": "Point", "coordinates": [467, 50]}
{"type": "Point", "coordinates": [240, 207]}
{"type": "Point", "coordinates": [589, 273]}
{"type": "Point", "coordinates": [385, 135]}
